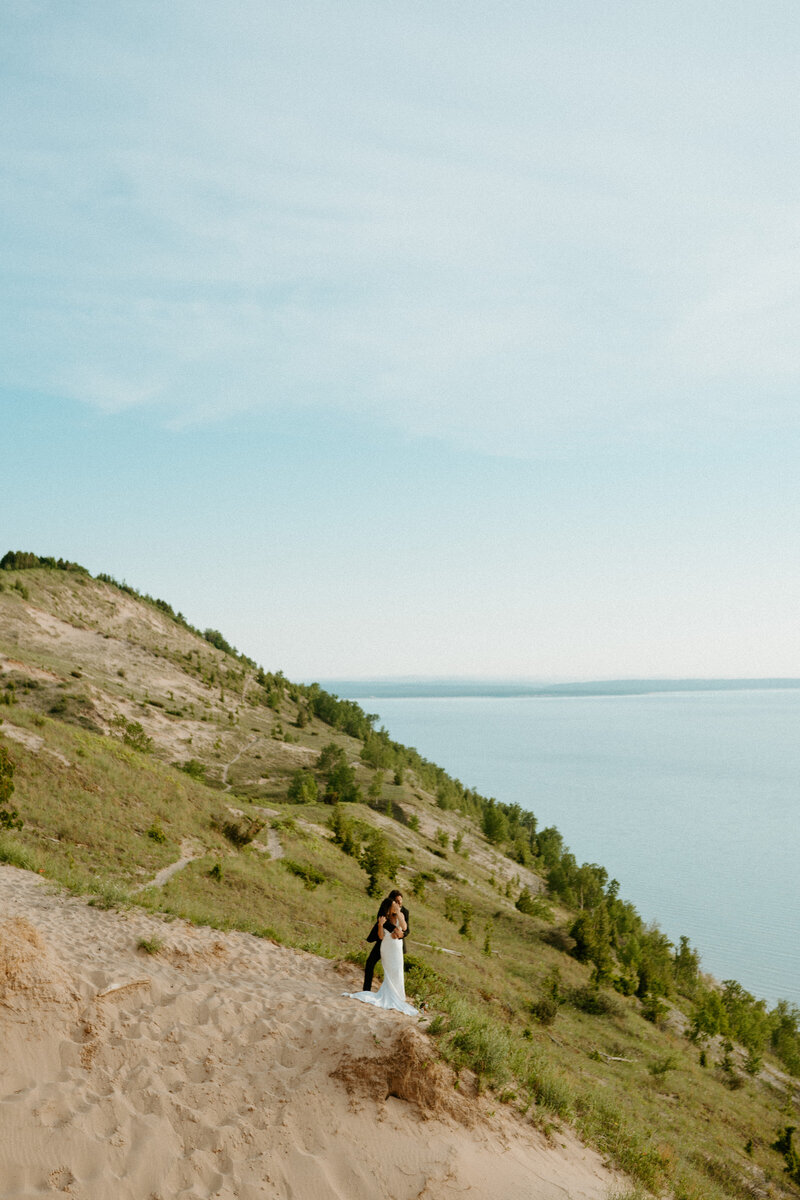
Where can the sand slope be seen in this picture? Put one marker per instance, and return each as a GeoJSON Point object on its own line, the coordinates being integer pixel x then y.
{"type": "Point", "coordinates": [225, 1066]}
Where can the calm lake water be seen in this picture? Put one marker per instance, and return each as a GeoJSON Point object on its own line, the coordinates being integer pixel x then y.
{"type": "Point", "coordinates": [691, 800]}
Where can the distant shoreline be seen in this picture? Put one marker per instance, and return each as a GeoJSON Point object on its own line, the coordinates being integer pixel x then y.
{"type": "Point", "coordinates": [378, 689]}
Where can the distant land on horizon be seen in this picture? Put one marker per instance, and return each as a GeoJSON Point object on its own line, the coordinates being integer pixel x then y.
{"type": "Point", "coordinates": [355, 689]}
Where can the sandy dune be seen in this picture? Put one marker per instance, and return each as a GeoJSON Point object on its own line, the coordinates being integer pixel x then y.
{"type": "Point", "coordinates": [228, 1067]}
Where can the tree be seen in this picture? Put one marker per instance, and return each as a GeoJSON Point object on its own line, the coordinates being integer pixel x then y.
{"type": "Point", "coordinates": [589, 882]}
{"type": "Point", "coordinates": [378, 861]}
{"type": "Point", "coordinates": [329, 756]}
{"type": "Point", "coordinates": [345, 833]}
{"type": "Point", "coordinates": [710, 1017]}
{"type": "Point", "coordinates": [494, 824]}
{"type": "Point", "coordinates": [341, 786]}
{"type": "Point", "coordinates": [550, 844]}
{"type": "Point", "coordinates": [377, 752]}
{"type": "Point", "coordinates": [303, 788]}
{"type": "Point", "coordinates": [215, 638]}
{"type": "Point", "coordinates": [686, 966]}
{"type": "Point", "coordinates": [592, 942]}
{"type": "Point", "coordinates": [376, 786]}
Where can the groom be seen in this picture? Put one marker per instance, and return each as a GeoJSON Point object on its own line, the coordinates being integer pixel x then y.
{"type": "Point", "coordinates": [375, 953]}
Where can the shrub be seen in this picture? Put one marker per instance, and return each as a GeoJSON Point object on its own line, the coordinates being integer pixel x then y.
{"type": "Point", "coordinates": [239, 832]}
{"type": "Point", "coordinates": [474, 1041]}
{"type": "Point", "coordinates": [391, 809]}
{"type": "Point", "coordinates": [559, 939]}
{"type": "Point", "coordinates": [590, 999]}
{"type": "Point", "coordinates": [15, 855]}
{"type": "Point", "coordinates": [131, 732]}
{"type": "Point", "coordinates": [9, 817]}
{"type": "Point", "coordinates": [421, 979]}
{"type": "Point", "coordinates": [194, 768]}
{"type": "Point", "coordinates": [215, 638]}
{"type": "Point", "coordinates": [785, 1146]}
{"type": "Point", "coordinates": [660, 1066]}
{"type": "Point", "coordinates": [549, 1090]}
{"type": "Point", "coordinates": [654, 1009]}
{"type": "Point", "coordinates": [310, 875]}
{"type": "Point", "coordinates": [150, 945]}
{"type": "Point", "coordinates": [156, 832]}
{"type": "Point", "coordinates": [418, 886]}
{"type": "Point", "coordinates": [753, 1063]}
{"type": "Point", "coordinates": [545, 1009]}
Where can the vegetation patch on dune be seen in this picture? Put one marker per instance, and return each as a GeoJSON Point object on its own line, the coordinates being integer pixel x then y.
{"type": "Point", "coordinates": [135, 735]}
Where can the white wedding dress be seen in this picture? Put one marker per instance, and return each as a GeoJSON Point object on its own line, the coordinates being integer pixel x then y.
{"type": "Point", "coordinates": [392, 992]}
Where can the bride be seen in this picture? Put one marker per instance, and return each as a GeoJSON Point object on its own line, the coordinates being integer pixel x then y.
{"type": "Point", "coordinates": [392, 992]}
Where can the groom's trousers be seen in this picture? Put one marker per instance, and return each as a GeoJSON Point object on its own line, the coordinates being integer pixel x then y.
{"type": "Point", "coordinates": [373, 958]}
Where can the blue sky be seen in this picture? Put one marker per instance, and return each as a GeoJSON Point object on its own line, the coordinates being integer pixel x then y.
{"type": "Point", "coordinates": [413, 339]}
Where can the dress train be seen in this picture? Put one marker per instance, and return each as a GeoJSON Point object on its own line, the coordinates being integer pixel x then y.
{"type": "Point", "coordinates": [392, 992]}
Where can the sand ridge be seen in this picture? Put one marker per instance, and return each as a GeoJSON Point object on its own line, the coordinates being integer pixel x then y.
{"type": "Point", "coordinates": [229, 1067]}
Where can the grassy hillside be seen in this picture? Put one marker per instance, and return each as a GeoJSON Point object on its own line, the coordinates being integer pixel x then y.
{"type": "Point", "coordinates": [135, 743]}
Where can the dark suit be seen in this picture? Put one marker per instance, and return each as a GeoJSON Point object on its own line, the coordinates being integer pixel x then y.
{"type": "Point", "coordinates": [373, 958]}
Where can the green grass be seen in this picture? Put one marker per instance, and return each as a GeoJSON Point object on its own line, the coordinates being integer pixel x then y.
{"type": "Point", "coordinates": [151, 945]}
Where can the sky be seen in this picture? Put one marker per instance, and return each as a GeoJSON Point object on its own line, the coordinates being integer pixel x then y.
{"type": "Point", "coordinates": [441, 339]}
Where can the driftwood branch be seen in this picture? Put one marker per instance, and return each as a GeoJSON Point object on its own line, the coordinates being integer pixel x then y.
{"type": "Point", "coordinates": [441, 949]}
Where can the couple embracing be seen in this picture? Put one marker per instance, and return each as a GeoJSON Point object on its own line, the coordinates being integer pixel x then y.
{"type": "Point", "coordinates": [388, 932]}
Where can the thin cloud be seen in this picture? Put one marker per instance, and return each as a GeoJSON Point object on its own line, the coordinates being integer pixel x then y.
{"type": "Point", "coordinates": [515, 246]}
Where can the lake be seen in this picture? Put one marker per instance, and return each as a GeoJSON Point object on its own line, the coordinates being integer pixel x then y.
{"type": "Point", "coordinates": [689, 799]}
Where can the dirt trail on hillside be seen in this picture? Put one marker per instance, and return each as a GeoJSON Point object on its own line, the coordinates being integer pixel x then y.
{"type": "Point", "coordinates": [248, 746]}
{"type": "Point", "coordinates": [225, 1066]}
{"type": "Point", "coordinates": [190, 850]}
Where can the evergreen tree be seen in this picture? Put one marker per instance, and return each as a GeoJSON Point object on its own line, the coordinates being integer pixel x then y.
{"type": "Point", "coordinates": [303, 788]}
{"type": "Point", "coordinates": [494, 824]}
{"type": "Point", "coordinates": [341, 786]}
{"type": "Point", "coordinates": [378, 861]}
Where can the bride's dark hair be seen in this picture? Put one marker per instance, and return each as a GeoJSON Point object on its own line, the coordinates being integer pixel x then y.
{"type": "Point", "coordinates": [386, 904]}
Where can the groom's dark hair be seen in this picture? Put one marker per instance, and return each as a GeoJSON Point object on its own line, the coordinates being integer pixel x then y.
{"type": "Point", "coordinates": [395, 892]}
